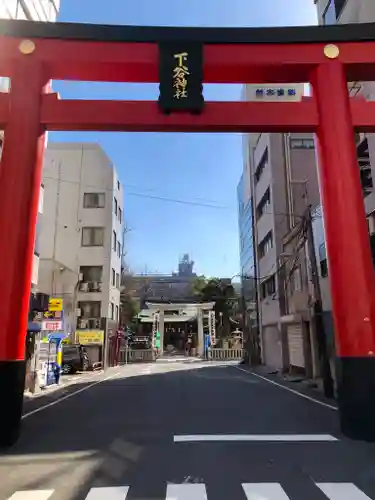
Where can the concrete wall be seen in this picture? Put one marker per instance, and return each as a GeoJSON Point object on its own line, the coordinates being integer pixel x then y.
{"type": "Point", "coordinates": [70, 170]}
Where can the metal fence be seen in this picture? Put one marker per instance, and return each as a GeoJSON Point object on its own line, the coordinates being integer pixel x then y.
{"type": "Point", "coordinates": [224, 354]}
{"type": "Point", "coordinates": [137, 355]}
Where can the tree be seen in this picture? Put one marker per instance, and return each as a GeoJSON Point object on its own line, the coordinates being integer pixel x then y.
{"type": "Point", "coordinates": [129, 309]}
{"type": "Point", "coordinates": [222, 293]}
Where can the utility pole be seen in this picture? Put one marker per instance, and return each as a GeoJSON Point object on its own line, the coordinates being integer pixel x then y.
{"type": "Point", "coordinates": [318, 311]}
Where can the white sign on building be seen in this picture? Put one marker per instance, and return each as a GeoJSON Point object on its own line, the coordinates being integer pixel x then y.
{"type": "Point", "coordinates": [274, 92]}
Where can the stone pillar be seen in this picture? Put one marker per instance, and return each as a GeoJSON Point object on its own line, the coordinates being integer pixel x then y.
{"type": "Point", "coordinates": [161, 330]}
{"type": "Point", "coordinates": [200, 332]}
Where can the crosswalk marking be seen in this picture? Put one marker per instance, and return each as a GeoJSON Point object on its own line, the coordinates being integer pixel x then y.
{"type": "Point", "coordinates": [264, 491]}
{"type": "Point", "coordinates": [197, 491]}
{"type": "Point", "coordinates": [342, 491]}
{"type": "Point", "coordinates": [114, 493]}
{"type": "Point", "coordinates": [186, 492]}
{"type": "Point", "coordinates": [32, 495]}
{"type": "Point", "coordinates": [196, 438]}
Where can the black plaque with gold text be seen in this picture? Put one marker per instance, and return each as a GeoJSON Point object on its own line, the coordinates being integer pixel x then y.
{"type": "Point", "coordinates": [181, 77]}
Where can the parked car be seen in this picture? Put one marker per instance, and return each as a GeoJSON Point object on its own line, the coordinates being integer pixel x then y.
{"type": "Point", "coordinates": [74, 359]}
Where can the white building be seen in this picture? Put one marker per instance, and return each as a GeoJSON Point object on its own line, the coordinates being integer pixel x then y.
{"type": "Point", "coordinates": [32, 10]}
{"type": "Point", "coordinates": [81, 241]}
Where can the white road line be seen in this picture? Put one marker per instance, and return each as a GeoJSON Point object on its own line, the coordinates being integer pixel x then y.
{"type": "Point", "coordinates": [116, 493]}
{"type": "Point", "coordinates": [264, 491]}
{"type": "Point", "coordinates": [331, 407]}
{"type": "Point", "coordinates": [186, 492]}
{"type": "Point", "coordinates": [32, 495]}
{"type": "Point", "coordinates": [342, 491]}
{"type": "Point", "coordinates": [253, 437]}
{"type": "Point", "coordinates": [67, 396]}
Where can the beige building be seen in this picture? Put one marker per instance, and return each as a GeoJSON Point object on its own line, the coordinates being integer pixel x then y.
{"type": "Point", "coordinates": [280, 170]}
{"type": "Point", "coordinates": [81, 241]}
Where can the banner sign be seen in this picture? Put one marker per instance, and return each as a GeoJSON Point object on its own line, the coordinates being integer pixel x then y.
{"type": "Point", "coordinates": [87, 337]}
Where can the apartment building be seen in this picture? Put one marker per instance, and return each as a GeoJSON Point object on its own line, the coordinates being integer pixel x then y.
{"type": "Point", "coordinates": [81, 243]}
{"type": "Point", "coordinates": [356, 11]}
{"type": "Point", "coordinates": [280, 174]}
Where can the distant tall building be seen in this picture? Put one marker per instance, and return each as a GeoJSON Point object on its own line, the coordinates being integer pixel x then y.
{"type": "Point", "coordinates": [177, 286]}
{"type": "Point", "coordinates": [245, 226]}
{"type": "Point", "coordinates": [185, 266]}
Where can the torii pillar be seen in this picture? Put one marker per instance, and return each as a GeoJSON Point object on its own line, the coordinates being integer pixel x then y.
{"type": "Point", "coordinates": [351, 271]}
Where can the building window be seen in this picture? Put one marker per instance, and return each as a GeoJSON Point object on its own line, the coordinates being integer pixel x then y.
{"type": "Point", "coordinates": [116, 205]}
{"type": "Point", "coordinates": [111, 310]}
{"type": "Point", "coordinates": [324, 268]}
{"type": "Point", "coordinates": [302, 144]}
{"type": "Point", "coordinates": [117, 280]}
{"type": "Point", "coordinates": [120, 215]}
{"type": "Point", "coordinates": [118, 185]}
{"type": "Point", "coordinates": [119, 249]}
{"type": "Point", "coordinates": [90, 309]}
{"type": "Point", "coordinates": [268, 287]}
{"type": "Point", "coordinates": [114, 241]}
{"type": "Point", "coordinates": [113, 277]}
{"type": "Point", "coordinates": [92, 236]}
{"type": "Point", "coordinates": [264, 204]}
{"type": "Point", "coordinates": [265, 245]}
{"type": "Point", "coordinates": [117, 313]}
{"type": "Point", "coordinates": [93, 200]}
{"type": "Point", "coordinates": [91, 273]}
{"type": "Point", "coordinates": [261, 166]}
{"type": "Point", "coordinates": [329, 14]}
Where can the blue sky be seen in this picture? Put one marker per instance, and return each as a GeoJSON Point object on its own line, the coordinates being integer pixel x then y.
{"type": "Point", "coordinates": [196, 169]}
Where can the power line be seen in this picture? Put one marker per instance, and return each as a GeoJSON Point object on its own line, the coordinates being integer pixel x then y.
{"type": "Point", "coordinates": [184, 202]}
{"type": "Point", "coordinates": [153, 197]}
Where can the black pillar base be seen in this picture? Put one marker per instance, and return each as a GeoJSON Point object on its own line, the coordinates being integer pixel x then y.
{"type": "Point", "coordinates": [356, 397]}
{"type": "Point", "coordinates": [12, 383]}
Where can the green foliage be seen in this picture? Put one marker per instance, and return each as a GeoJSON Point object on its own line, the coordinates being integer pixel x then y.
{"type": "Point", "coordinates": [219, 291]}
{"type": "Point", "coordinates": [129, 309]}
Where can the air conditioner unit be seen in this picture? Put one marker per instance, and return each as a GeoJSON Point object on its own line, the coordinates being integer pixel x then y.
{"type": "Point", "coordinates": [97, 286]}
{"type": "Point", "coordinates": [82, 323]}
{"type": "Point", "coordinates": [94, 323]}
{"type": "Point", "coordinates": [83, 287]}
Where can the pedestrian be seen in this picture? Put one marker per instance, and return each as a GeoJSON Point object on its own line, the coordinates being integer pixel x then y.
{"type": "Point", "coordinates": [188, 344]}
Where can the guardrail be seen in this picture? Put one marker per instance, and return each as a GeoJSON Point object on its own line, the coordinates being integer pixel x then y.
{"type": "Point", "coordinates": [137, 355]}
{"type": "Point", "coordinates": [224, 354]}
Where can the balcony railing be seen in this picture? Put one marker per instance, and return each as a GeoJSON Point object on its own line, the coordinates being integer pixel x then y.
{"type": "Point", "coordinates": [90, 286]}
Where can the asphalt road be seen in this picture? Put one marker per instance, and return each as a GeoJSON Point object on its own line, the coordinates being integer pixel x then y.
{"type": "Point", "coordinates": [181, 431]}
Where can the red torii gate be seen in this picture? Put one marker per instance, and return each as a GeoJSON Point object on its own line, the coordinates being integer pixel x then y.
{"type": "Point", "coordinates": [34, 53]}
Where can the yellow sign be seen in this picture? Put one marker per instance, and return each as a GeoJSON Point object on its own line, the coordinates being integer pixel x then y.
{"type": "Point", "coordinates": [55, 304]}
{"type": "Point", "coordinates": [88, 337]}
